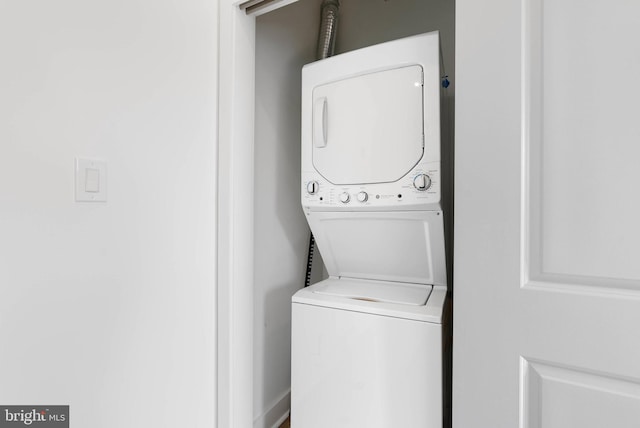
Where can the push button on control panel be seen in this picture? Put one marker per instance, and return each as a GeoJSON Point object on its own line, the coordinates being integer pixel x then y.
{"type": "Point", "coordinates": [344, 197]}
{"type": "Point", "coordinates": [422, 182]}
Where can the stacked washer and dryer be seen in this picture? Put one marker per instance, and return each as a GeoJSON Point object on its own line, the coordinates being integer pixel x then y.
{"type": "Point", "coordinates": [367, 343]}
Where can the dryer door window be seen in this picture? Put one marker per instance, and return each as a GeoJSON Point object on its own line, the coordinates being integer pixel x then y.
{"type": "Point", "coordinates": [369, 128]}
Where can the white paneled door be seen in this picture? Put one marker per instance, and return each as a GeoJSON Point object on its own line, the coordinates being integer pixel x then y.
{"type": "Point", "coordinates": [547, 249]}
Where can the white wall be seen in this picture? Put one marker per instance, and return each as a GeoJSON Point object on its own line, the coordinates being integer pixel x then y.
{"type": "Point", "coordinates": [109, 307]}
{"type": "Point", "coordinates": [285, 40]}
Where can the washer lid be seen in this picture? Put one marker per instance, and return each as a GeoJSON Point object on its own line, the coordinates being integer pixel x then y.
{"type": "Point", "coordinates": [376, 291]}
{"type": "Point", "coordinates": [369, 128]}
{"type": "Point", "coordinates": [431, 312]}
{"type": "Point", "coordinates": [400, 246]}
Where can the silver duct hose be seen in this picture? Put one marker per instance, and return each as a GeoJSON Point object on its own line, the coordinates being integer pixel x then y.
{"type": "Point", "coordinates": [328, 26]}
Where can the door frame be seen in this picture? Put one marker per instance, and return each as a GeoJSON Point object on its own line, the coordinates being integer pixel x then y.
{"type": "Point", "coordinates": [236, 111]}
{"type": "Point", "coordinates": [236, 64]}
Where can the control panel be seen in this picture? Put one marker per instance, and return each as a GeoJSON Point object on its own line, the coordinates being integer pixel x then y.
{"type": "Point", "coordinates": [420, 189]}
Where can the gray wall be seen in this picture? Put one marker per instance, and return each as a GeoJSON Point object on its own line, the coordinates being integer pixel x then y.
{"type": "Point", "coordinates": [367, 22]}
{"type": "Point", "coordinates": [285, 41]}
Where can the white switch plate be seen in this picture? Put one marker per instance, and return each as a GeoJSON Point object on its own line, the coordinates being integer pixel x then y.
{"type": "Point", "coordinates": [91, 180]}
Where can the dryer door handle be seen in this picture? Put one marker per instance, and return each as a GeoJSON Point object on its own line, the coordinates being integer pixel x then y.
{"type": "Point", "coordinates": [320, 124]}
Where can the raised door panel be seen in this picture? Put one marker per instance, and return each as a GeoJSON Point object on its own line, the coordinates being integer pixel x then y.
{"type": "Point", "coordinates": [560, 397]}
{"type": "Point", "coordinates": [584, 92]}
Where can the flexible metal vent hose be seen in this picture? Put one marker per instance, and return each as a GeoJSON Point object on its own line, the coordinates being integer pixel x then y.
{"type": "Point", "coordinates": [326, 46]}
{"type": "Point", "coordinates": [328, 25]}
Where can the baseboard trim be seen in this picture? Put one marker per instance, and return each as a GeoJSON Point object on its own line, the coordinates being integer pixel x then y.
{"type": "Point", "coordinates": [275, 414]}
{"type": "Point", "coordinates": [282, 419]}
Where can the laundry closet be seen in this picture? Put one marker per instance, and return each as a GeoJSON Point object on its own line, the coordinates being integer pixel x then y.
{"type": "Point", "coordinates": [286, 39]}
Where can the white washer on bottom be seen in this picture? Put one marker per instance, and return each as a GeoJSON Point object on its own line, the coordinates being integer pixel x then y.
{"type": "Point", "coordinates": [367, 354]}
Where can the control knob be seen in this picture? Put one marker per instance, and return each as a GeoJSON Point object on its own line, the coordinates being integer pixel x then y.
{"type": "Point", "coordinates": [312, 187]}
{"type": "Point", "coordinates": [344, 197]}
{"type": "Point", "coordinates": [422, 182]}
{"type": "Point", "coordinates": [363, 196]}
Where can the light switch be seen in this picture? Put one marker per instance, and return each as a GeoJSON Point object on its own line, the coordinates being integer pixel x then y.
{"type": "Point", "coordinates": [91, 180]}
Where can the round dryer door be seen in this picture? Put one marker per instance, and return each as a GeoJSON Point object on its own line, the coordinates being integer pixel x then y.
{"type": "Point", "coordinates": [369, 128]}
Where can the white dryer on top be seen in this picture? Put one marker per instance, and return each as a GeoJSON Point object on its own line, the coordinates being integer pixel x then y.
{"type": "Point", "coordinates": [371, 128]}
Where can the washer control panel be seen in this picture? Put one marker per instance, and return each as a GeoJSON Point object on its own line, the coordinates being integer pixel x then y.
{"type": "Point", "coordinates": [419, 189]}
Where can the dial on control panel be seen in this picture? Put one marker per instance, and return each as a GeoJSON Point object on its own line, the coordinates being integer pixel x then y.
{"type": "Point", "coordinates": [312, 187]}
{"type": "Point", "coordinates": [422, 182]}
{"type": "Point", "coordinates": [363, 196]}
{"type": "Point", "coordinates": [344, 197]}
